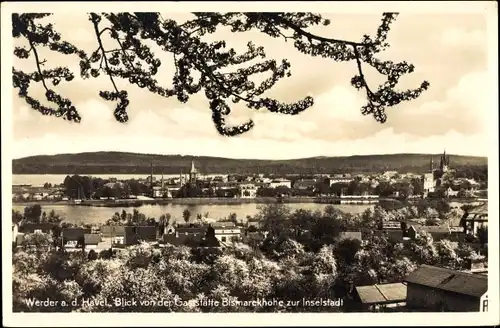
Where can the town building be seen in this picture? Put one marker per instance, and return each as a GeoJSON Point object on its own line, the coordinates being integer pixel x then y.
{"type": "Point", "coordinates": [339, 179]}
{"type": "Point", "coordinates": [434, 178]}
{"type": "Point", "coordinates": [193, 174]}
{"type": "Point", "coordinates": [74, 237]}
{"type": "Point", "coordinates": [376, 297]}
{"type": "Point", "coordinates": [475, 218]}
{"type": "Point", "coordinates": [276, 183]}
{"type": "Point", "coordinates": [436, 289]}
{"type": "Point", "coordinates": [112, 231]}
{"type": "Point", "coordinates": [248, 190]}
{"type": "Point", "coordinates": [91, 240]}
{"type": "Point", "coordinates": [305, 184]}
{"type": "Point", "coordinates": [185, 235]}
{"type": "Point", "coordinates": [137, 234]}
{"type": "Point", "coordinates": [226, 231]}
{"type": "Point", "coordinates": [436, 232]}
{"type": "Point", "coordinates": [36, 227]}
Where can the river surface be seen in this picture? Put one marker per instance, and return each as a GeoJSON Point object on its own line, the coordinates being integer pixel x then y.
{"type": "Point", "coordinates": [99, 215]}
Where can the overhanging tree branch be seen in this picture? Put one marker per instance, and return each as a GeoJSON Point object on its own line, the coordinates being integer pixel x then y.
{"type": "Point", "coordinates": [136, 62]}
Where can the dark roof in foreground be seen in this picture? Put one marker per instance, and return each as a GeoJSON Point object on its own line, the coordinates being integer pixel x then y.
{"type": "Point", "coordinates": [449, 280]}
{"type": "Point", "coordinates": [92, 239]}
{"type": "Point", "coordinates": [75, 233]}
{"type": "Point", "coordinates": [481, 209]}
{"type": "Point", "coordinates": [385, 293]}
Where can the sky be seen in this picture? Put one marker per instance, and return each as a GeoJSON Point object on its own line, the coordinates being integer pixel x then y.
{"type": "Point", "coordinates": [448, 50]}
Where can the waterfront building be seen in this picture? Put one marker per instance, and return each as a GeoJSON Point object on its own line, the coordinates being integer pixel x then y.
{"type": "Point", "coordinates": [248, 190]}
{"type": "Point", "coordinates": [339, 179]}
{"type": "Point", "coordinates": [304, 184]}
{"type": "Point", "coordinates": [276, 183]}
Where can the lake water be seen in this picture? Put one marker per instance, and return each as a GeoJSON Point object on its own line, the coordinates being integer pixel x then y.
{"type": "Point", "coordinates": [99, 215]}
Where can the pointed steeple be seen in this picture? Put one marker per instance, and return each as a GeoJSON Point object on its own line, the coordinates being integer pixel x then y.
{"type": "Point", "coordinates": [193, 168]}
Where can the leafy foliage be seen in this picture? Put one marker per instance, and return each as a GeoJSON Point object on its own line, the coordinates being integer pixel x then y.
{"type": "Point", "coordinates": [304, 260]}
{"type": "Point", "coordinates": [202, 66]}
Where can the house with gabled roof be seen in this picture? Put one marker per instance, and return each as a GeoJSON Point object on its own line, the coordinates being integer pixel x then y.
{"type": "Point", "coordinates": [74, 237]}
{"type": "Point", "coordinates": [435, 289]}
{"type": "Point", "coordinates": [475, 218]}
{"type": "Point", "coordinates": [91, 240]}
{"type": "Point", "coordinates": [374, 297]}
{"type": "Point", "coordinates": [226, 231]}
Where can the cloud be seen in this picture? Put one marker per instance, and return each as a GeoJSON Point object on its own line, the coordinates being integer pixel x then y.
{"type": "Point", "coordinates": [342, 103]}
{"type": "Point", "coordinates": [447, 115]}
{"type": "Point", "coordinates": [459, 37]}
{"type": "Point", "coordinates": [470, 96]}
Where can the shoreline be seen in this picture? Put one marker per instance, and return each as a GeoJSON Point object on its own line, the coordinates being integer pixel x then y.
{"type": "Point", "coordinates": [170, 201]}
{"type": "Point", "coordinates": [212, 201]}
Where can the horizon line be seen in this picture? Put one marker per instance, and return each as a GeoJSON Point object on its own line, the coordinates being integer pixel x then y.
{"type": "Point", "coordinates": [253, 159]}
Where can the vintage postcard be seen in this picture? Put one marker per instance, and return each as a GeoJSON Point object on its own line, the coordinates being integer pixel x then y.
{"type": "Point", "coordinates": [250, 163]}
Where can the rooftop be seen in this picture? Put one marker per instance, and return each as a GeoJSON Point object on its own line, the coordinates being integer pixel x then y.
{"type": "Point", "coordinates": [449, 280]}
{"type": "Point", "coordinates": [92, 239]}
{"type": "Point", "coordinates": [221, 224]}
{"type": "Point", "coordinates": [481, 209]}
{"type": "Point", "coordinates": [75, 233]}
{"type": "Point", "coordinates": [385, 293]}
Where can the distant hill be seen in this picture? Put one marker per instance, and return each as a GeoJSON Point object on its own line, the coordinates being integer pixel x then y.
{"type": "Point", "coordinates": [132, 163]}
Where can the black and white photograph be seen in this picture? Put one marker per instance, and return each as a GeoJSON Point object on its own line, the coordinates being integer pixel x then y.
{"type": "Point", "coordinates": [195, 158]}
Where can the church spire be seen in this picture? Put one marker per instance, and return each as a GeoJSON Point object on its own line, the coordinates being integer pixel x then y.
{"type": "Point", "coordinates": [193, 168]}
{"type": "Point", "coordinates": [444, 161]}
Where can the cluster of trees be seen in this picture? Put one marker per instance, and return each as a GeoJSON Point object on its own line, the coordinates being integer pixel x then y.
{"type": "Point", "coordinates": [88, 187]}
{"type": "Point", "coordinates": [35, 214]}
{"type": "Point", "coordinates": [476, 172]}
{"type": "Point", "coordinates": [300, 255]}
{"type": "Point", "coordinates": [354, 187]}
{"type": "Point", "coordinates": [135, 218]}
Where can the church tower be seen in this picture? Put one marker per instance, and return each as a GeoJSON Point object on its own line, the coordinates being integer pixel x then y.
{"type": "Point", "coordinates": [193, 173]}
{"type": "Point", "coordinates": [445, 161]}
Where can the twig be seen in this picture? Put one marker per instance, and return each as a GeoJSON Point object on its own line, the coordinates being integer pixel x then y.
{"type": "Point", "coordinates": [98, 35]}
{"type": "Point", "coordinates": [300, 31]}
{"type": "Point", "coordinates": [37, 59]}
{"type": "Point", "coordinates": [369, 93]}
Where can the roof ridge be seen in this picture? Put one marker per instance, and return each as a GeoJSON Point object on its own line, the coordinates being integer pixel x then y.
{"type": "Point", "coordinates": [451, 271]}
{"type": "Point", "coordinates": [381, 293]}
